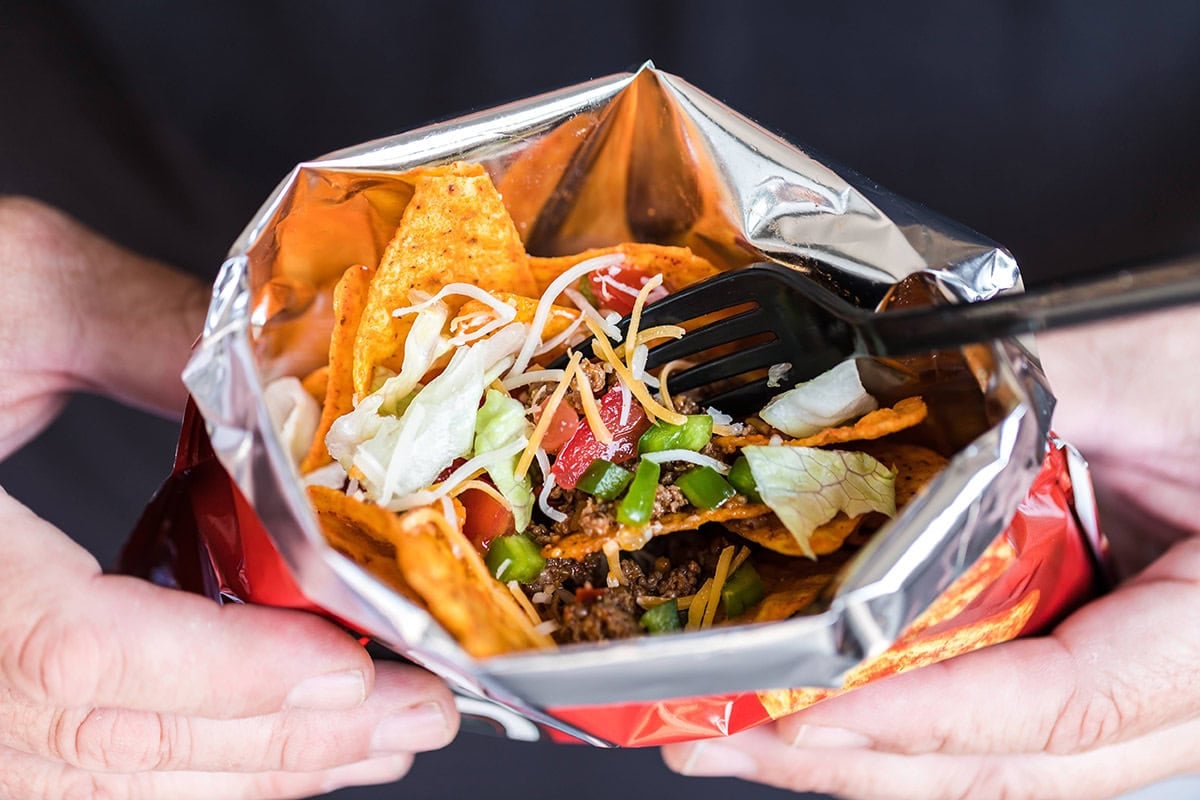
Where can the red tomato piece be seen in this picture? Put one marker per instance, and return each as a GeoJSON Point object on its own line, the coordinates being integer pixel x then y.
{"type": "Point", "coordinates": [582, 449]}
{"type": "Point", "coordinates": [615, 288]}
{"type": "Point", "coordinates": [562, 427]}
{"type": "Point", "coordinates": [486, 518]}
{"type": "Point", "coordinates": [586, 595]}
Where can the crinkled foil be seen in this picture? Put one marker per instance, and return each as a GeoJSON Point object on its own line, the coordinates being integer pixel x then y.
{"type": "Point", "coordinates": [648, 157]}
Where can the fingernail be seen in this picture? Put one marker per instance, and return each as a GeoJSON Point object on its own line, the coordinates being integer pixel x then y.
{"type": "Point", "coordinates": [415, 729]}
{"type": "Point", "coordinates": [341, 690]}
{"type": "Point", "coordinates": [709, 759]}
{"type": "Point", "coordinates": [818, 737]}
{"type": "Point", "coordinates": [366, 773]}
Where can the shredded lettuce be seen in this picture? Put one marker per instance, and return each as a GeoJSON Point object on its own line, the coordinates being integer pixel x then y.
{"type": "Point", "coordinates": [806, 487]}
{"type": "Point", "coordinates": [501, 422]}
{"type": "Point", "coordinates": [397, 455]}
{"type": "Point", "coordinates": [294, 413]}
{"type": "Point", "coordinates": [828, 399]}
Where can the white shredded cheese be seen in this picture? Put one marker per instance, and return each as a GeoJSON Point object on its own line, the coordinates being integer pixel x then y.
{"type": "Point", "coordinates": [775, 441]}
{"type": "Point", "coordinates": [626, 401]}
{"type": "Point", "coordinates": [541, 598]}
{"type": "Point", "coordinates": [470, 290]}
{"type": "Point", "coordinates": [719, 418]}
{"type": "Point", "coordinates": [556, 287]}
{"type": "Point", "coordinates": [534, 376]}
{"type": "Point", "coordinates": [544, 495]}
{"type": "Point", "coordinates": [690, 456]}
{"type": "Point", "coordinates": [562, 338]}
{"type": "Point", "coordinates": [546, 628]}
{"type": "Point", "coordinates": [777, 372]}
{"type": "Point", "coordinates": [585, 309]}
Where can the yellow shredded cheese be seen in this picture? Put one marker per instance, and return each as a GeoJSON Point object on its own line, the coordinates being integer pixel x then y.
{"type": "Point", "coordinates": [591, 411]}
{"type": "Point", "coordinates": [635, 318]}
{"type": "Point", "coordinates": [696, 611]}
{"type": "Point", "coordinates": [616, 575]}
{"type": "Point", "coordinates": [548, 410]}
{"type": "Point", "coordinates": [682, 603]}
{"type": "Point", "coordinates": [660, 332]}
{"type": "Point", "coordinates": [524, 603]}
{"type": "Point", "coordinates": [484, 487]}
{"type": "Point", "coordinates": [718, 582]}
{"type": "Point", "coordinates": [663, 374]}
{"type": "Point", "coordinates": [654, 410]}
{"type": "Point", "coordinates": [739, 559]}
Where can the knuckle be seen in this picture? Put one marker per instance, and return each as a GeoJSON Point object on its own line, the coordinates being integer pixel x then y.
{"type": "Point", "coordinates": [1089, 720]}
{"type": "Point", "coordinates": [53, 660]}
{"type": "Point", "coordinates": [112, 741]}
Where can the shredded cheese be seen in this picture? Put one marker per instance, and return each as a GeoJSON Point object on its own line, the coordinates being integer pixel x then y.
{"type": "Point", "coordinates": [524, 603]}
{"type": "Point", "coordinates": [616, 575]}
{"type": "Point", "coordinates": [653, 409]}
{"type": "Point", "coordinates": [556, 287]}
{"type": "Point", "coordinates": [718, 581]}
{"type": "Point", "coordinates": [663, 374]}
{"type": "Point", "coordinates": [591, 411]}
{"type": "Point", "coordinates": [585, 310]}
{"type": "Point", "coordinates": [534, 376]}
{"type": "Point", "coordinates": [501, 309]}
{"type": "Point", "coordinates": [485, 487]}
{"type": "Point", "coordinates": [660, 332]}
{"type": "Point", "coordinates": [635, 317]}
{"type": "Point", "coordinates": [546, 628]}
{"type": "Point", "coordinates": [547, 487]}
{"type": "Point", "coordinates": [696, 610]}
{"type": "Point", "coordinates": [690, 456]}
{"type": "Point", "coordinates": [723, 424]}
{"type": "Point", "coordinates": [626, 402]}
{"type": "Point", "coordinates": [739, 559]}
{"type": "Point", "coordinates": [543, 423]}
{"type": "Point", "coordinates": [562, 338]}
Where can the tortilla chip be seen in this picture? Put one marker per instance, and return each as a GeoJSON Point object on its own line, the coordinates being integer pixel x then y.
{"type": "Point", "coordinates": [578, 545]}
{"type": "Point", "coordinates": [455, 229]}
{"type": "Point", "coordinates": [679, 266]}
{"type": "Point", "coordinates": [769, 532]}
{"type": "Point", "coordinates": [915, 466]}
{"type": "Point", "coordinates": [435, 564]}
{"type": "Point", "coordinates": [349, 299]}
{"type": "Point", "coordinates": [316, 382]}
{"type": "Point", "coordinates": [876, 424]}
{"type": "Point", "coordinates": [559, 320]}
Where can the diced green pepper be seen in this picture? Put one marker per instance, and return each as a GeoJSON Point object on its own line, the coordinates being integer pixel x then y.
{"type": "Point", "coordinates": [514, 558]}
{"type": "Point", "coordinates": [704, 487]}
{"type": "Point", "coordinates": [691, 435]}
{"type": "Point", "coordinates": [743, 589]}
{"type": "Point", "coordinates": [585, 289]}
{"type": "Point", "coordinates": [743, 480]}
{"type": "Point", "coordinates": [662, 618]}
{"type": "Point", "coordinates": [604, 479]}
{"type": "Point", "coordinates": [638, 503]}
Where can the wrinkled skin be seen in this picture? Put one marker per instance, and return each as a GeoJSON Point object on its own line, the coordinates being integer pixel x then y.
{"type": "Point", "coordinates": [111, 687]}
{"type": "Point", "coordinates": [1107, 702]}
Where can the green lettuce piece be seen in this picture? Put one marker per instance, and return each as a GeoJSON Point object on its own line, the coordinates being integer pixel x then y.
{"type": "Point", "coordinates": [806, 487]}
{"type": "Point", "coordinates": [499, 423]}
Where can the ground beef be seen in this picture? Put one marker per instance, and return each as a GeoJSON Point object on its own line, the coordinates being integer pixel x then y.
{"type": "Point", "coordinates": [685, 404]}
{"type": "Point", "coordinates": [569, 574]}
{"type": "Point", "coordinates": [597, 377]}
{"type": "Point", "coordinates": [585, 514]}
{"type": "Point", "coordinates": [668, 499]}
{"type": "Point", "coordinates": [613, 615]}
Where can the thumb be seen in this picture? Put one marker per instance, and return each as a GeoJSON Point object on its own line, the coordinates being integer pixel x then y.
{"type": "Point", "coordinates": [117, 323]}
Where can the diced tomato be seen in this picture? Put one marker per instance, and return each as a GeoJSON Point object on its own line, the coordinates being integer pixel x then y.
{"type": "Point", "coordinates": [587, 595]}
{"type": "Point", "coordinates": [486, 517]}
{"type": "Point", "coordinates": [562, 427]}
{"type": "Point", "coordinates": [448, 471]}
{"type": "Point", "coordinates": [582, 449]}
{"type": "Point", "coordinates": [615, 288]}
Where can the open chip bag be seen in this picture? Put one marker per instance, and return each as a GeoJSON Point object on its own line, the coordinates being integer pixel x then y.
{"type": "Point", "coordinates": [397, 423]}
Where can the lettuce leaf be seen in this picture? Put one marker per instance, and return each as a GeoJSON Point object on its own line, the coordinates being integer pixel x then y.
{"type": "Point", "coordinates": [806, 487]}
{"type": "Point", "coordinates": [500, 422]}
{"type": "Point", "coordinates": [827, 400]}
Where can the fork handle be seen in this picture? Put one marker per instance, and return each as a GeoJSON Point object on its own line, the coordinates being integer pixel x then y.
{"type": "Point", "coordinates": [1126, 292]}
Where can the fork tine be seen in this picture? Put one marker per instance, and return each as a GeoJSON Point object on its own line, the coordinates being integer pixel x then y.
{"type": "Point", "coordinates": [730, 329]}
{"type": "Point", "coordinates": [740, 400]}
{"type": "Point", "coordinates": [722, 291]}
{"type": "Point", "coordinates": [728, 366]}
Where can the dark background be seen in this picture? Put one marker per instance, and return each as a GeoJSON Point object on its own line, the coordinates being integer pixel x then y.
{"type": "Point", "coordinates": [1065, 130]}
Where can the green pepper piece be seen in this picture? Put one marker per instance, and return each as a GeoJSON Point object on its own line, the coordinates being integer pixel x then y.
{"type": "Point", "coordinates": [704, 487]}
{"type": "Point", "coordinates": [635, 508]}
{"type": "Point", "coordinates": [514, 557]}
{"type": "Point", "coordinates": [691, 435]}
{"type": "Point", "coordinates": [663, 618]}
{"type": "Point", "coordinates": [604, 479]}
{"type": "Point", "coordinates": [743, 480]}
{"type": "Point", "coordinates": [743, 589]}
{"type": "Point", "coordinates": [585, 289]}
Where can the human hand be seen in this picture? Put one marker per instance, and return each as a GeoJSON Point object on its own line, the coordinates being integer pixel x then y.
{"type": "Point", "coordinates": [1110, 700]}
{"type": "Point", "coordinates": [110, 686]}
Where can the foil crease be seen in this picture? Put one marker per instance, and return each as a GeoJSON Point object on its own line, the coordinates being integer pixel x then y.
{"type": "Point", "coordinates": [734, 193]}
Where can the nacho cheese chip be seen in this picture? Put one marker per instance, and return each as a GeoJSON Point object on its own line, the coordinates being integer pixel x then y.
{"type": "Point", "coordinates": [679, 266]}
{"type": "Point", "coordinates": [455, 229]}
{"type": "Point", "coordinates": [907, 413]}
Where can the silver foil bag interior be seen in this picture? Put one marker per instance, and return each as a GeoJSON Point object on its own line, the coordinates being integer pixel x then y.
{"type": "Point", "coordinates": [641, 156]}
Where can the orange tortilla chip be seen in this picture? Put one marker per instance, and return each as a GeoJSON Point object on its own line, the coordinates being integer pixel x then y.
{"type": "Point", "coordinates": [437, 565]}
{"type": "Point", "coordinates": [577, 545]}
{"type": "Point", "coordinates": [559, 320]}
{"type": "Point", "coordinates": [316, 382]}
{"type": "Point", "coordinates": [915, 466]}
{"type": "Point", "coordinates": [454, 229]}
{"type": "Point", "coordinates": [907, 413]}
{"type": "Point", "coordinates": [679, 266]}
{"type": "Point", "coordinates": [769, 532]}
{"type": "Point", "coordinates": [349, 299]}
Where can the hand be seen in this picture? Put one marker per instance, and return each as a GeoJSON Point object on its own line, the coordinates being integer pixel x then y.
{"type": "Point", "coordinates": [1110, 700]}
{"type": "Point", "coordinates": [110, 686]}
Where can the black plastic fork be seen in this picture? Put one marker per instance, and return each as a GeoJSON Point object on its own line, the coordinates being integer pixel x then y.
{"type": "Point", "coordinates": [800, 322]}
